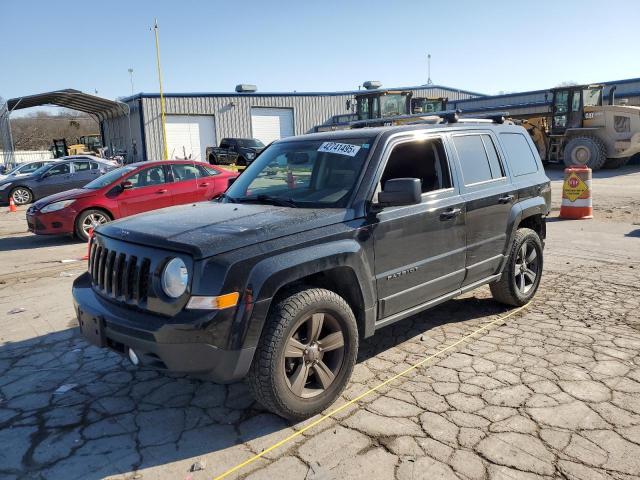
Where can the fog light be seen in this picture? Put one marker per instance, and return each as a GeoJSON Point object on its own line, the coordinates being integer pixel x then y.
{"type": "Point", "coordinates": [133, 357]}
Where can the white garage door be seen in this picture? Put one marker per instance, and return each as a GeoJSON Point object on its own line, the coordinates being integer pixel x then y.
{"type": "Point", "coordinates": [269, 124]}
{"type": "Point", "coordinates": [188, 136]}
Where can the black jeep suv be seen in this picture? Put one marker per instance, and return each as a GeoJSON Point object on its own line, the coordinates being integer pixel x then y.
{"type": "Point", "coordinates": [324, 239]}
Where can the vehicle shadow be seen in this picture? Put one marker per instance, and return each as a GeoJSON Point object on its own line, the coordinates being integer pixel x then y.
{"type": "Point", "coordinates": [71, 410]}
{"type": "Point", "coordinates": [29, 241]}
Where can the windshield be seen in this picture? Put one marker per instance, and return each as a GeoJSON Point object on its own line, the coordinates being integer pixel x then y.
{"type": "Point", "coordinates": [250, 143]}
{"type": "Point", "coordinates": [108, 178]}
{"type": "Point", "coordinates": [591, 97]}
{"type": "Point", "coordinates": [393, 104]}
{"type": "Point", "coordinates": [306, 173]}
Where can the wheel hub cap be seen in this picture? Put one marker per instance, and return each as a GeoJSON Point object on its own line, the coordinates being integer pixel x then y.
{"type": "Point", "coordinates": [312, 353]}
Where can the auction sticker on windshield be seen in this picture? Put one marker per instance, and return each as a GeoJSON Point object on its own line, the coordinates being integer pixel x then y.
{"type": "Point", "coordinates": [339, 148]}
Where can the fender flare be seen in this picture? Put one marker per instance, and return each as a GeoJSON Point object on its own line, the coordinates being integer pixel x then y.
{"type": "Point", "coordinates": [520, 211]}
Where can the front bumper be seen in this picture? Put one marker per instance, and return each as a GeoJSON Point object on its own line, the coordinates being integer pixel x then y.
{"type": "Point", "coordinates": [54, 223]}
{"type": "Point", "coordinates": [158, 343]}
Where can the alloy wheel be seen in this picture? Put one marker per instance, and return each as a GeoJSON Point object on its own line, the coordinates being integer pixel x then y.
{"type": "Point", "coordinates": [313, 355]}
{"type": "Point", "coordinates": [526, 267]}
{"type": "Point", "coordinates": [92, 220]}
{"type": "Point", "coordinates": [21, 196]}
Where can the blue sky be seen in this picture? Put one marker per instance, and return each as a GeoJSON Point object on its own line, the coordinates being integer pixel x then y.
{"type": "Point", "coordinates": [313, 45]}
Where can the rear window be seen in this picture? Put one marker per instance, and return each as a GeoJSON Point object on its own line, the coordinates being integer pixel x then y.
{"type": "Point", "coordinates": [521, 157]}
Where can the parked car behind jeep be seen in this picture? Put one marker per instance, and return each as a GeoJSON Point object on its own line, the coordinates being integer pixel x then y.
{"type": "Point", "coordinates": [52, 178]}
{"type": "Point", "coordinates": [323, 240]}
{"type": "Point", "coordinates": [235, 151]}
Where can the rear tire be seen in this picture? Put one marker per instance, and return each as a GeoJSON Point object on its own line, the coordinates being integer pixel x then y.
{"type": "Point", "coordinates": [585, 151]}
{"type": "Point", "coordinates": [520, 280]}
{"type": "Point", "coordinates": [305, 355]}
{"type": "Point", "coordinates": [90, 219]}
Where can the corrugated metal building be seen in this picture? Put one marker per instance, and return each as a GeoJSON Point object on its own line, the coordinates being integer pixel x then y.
{"type": "Point", "coordinates": [197, 120]}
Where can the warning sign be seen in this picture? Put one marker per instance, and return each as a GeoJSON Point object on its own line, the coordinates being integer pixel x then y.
{"type": "Point", "coordinates": [573, 187]}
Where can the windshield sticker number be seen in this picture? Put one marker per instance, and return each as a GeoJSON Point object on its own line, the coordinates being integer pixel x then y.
{"type": "Point", "coordinates": [339, 148]}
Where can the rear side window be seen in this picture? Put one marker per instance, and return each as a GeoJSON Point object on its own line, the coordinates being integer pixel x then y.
{"type": "Point", "coordinates": [478, 158]}
{"type": "Point", "coordinates": [521, 158]}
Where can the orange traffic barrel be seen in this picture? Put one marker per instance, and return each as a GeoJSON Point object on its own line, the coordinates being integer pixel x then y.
{"type": "Point", "coordinates": [576, 194]}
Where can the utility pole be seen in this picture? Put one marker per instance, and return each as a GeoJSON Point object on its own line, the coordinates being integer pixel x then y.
{"type": "Point", "coordinates": [429, 82]}
{"type": "Point", "coordinates": [162, 110]}
{"type": "Point", "coordinates": [131, 79]}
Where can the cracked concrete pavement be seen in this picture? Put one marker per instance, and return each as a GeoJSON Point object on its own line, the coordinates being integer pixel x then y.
{"type": "Point", "coordinates": [551, 392]}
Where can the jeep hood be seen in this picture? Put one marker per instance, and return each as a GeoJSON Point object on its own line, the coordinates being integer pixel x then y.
{"type": "Point", "coordinates": [210, 228]}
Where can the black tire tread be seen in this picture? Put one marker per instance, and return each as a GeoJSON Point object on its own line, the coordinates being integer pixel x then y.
{"type": "Point", "coordinates": [259, 377]}
{"type": "Point", "coordinates": [598, 162]}
{"type": "Point", "coordinates": [503, 290]}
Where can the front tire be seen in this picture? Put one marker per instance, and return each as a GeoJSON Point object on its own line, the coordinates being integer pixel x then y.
{"type": "Point", "coordinates": [521, 275]}
{"type": "Point", "coordinates": [213, 160]}
{"type": "Point", "coordinates": [88, 219]}
{"type": "Point", "coordinates": [21, 196]}
{"type": "Point", "coordinates": [585, 151]}
{"type": "Point", "coordinates": [305, 355]}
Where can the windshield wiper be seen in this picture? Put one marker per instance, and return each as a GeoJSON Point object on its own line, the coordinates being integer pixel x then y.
{"type": "Point", "coordinates": [262, 198]}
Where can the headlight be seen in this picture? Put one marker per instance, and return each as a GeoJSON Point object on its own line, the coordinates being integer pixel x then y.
{"type": "Point", "coordinates": [251, 155]}
{"type": "Point", "coordinates": [175, 278]}
{"type": "Point", "coordinates": [6, 185]}
{"type": "Point", "coordinates": [54, 207]}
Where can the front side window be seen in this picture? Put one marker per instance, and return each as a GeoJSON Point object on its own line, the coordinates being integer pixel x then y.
{"type": "Point", "coordinates": [148, 177]}
{"type": "Point", "coordinates": [422, 159]}
{"type": "Point", "coordinates": [521, 159]}
{"type": "Point", "coordinates": [59, 169]}
{"type": "Point", "coordinates": [303, 173]}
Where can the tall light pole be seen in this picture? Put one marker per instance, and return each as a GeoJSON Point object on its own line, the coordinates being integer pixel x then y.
{"type": "Point", "coordinates": [429, 82]}
{"type": "Point", "coordinates": [165, 155]}
{"type": "Point", "coordinates": [131, 79]}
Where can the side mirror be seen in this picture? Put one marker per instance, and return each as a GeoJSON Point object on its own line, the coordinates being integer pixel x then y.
{"type": "Point", "coordinates": [127, 185]}
{"type": "Point", "coordinates": [400, 191]}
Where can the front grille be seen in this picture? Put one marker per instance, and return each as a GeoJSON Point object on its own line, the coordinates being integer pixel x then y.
{"type": "Point", "coordinates": [119, 275]}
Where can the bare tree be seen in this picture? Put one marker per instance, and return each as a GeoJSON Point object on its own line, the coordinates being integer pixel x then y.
{"type": "Point", "coordinates": [36, 131]}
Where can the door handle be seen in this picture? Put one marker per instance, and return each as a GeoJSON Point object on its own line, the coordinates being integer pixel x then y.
{"type": "Point", "coordinates": [204, 185]}
{"type": "Point", "coordinates": [164, 190]}
{"type": "Point", "coordinates": [506, 199]}
{"type": "Point", "coordinates": [449, 214]}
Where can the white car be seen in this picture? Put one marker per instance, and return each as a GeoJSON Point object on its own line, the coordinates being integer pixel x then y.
{"type": "Point", "coordinates": [23, 169]}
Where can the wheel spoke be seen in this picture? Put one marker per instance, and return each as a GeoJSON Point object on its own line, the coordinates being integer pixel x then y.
{"type": "Point", "coordinates": [315, 326]}
{"type": "Point", "coordinates": [299, 379]}
{"type": "Point", "coordinates": [530, 274]}
{"type": "Point", "coordinates": [294, 348]}
{"type": "Point", "coordinates": [523, 252]}
{"type": "Point", "coordinates": [532, 255]}
{"type": "Point", "coordinates": [522, 282]}
{"type": "Point", "coordinates": [331, 342]}
{"type": "Point", "coordinates": [324, 375]}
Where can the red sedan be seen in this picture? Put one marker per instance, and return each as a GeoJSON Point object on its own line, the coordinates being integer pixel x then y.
{"type": "Point", "coordinates": [128, 190]}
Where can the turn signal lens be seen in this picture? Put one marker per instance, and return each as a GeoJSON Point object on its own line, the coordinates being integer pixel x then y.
{"type": "Point", "coordinates": [214, 303]}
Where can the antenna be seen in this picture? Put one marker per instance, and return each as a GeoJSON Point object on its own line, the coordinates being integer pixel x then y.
{"type": "Point", "coordinates": [429, 82]}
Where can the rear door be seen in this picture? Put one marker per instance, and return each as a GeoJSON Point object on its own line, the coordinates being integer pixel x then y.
{"type": "Point", "coordinates": [489, 197]}
{"type": "Point", "coordinates": [184, 188]}
{"type": "Point", "coordinates": [83, 172]}
{"type": "Point", "coordinates": [419, 249]}
{"type": "Point", "coordinates": [149, 191]}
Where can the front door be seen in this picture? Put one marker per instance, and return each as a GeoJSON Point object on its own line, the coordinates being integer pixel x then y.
{"type": "Point", "coordinates": [149, 191]}
{"type": "Point", "coordinates": [57, 179]}
{"type": "Point", "coordinates": [488, 197]}
{"type": "Point", "coordinates": [566, 109]}
{"type": "Point", "coordinates": [419, 249]}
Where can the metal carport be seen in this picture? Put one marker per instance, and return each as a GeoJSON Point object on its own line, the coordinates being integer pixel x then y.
{"type": "Point", "coordinates": [99, 108]}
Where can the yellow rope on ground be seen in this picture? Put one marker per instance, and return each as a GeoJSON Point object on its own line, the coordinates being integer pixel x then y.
{"type": "Point", "coordinates": [362, 395]}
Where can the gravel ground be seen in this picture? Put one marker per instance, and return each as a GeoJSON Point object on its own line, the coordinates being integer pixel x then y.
{"type": "Point", "coordinates": [553, 391]}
